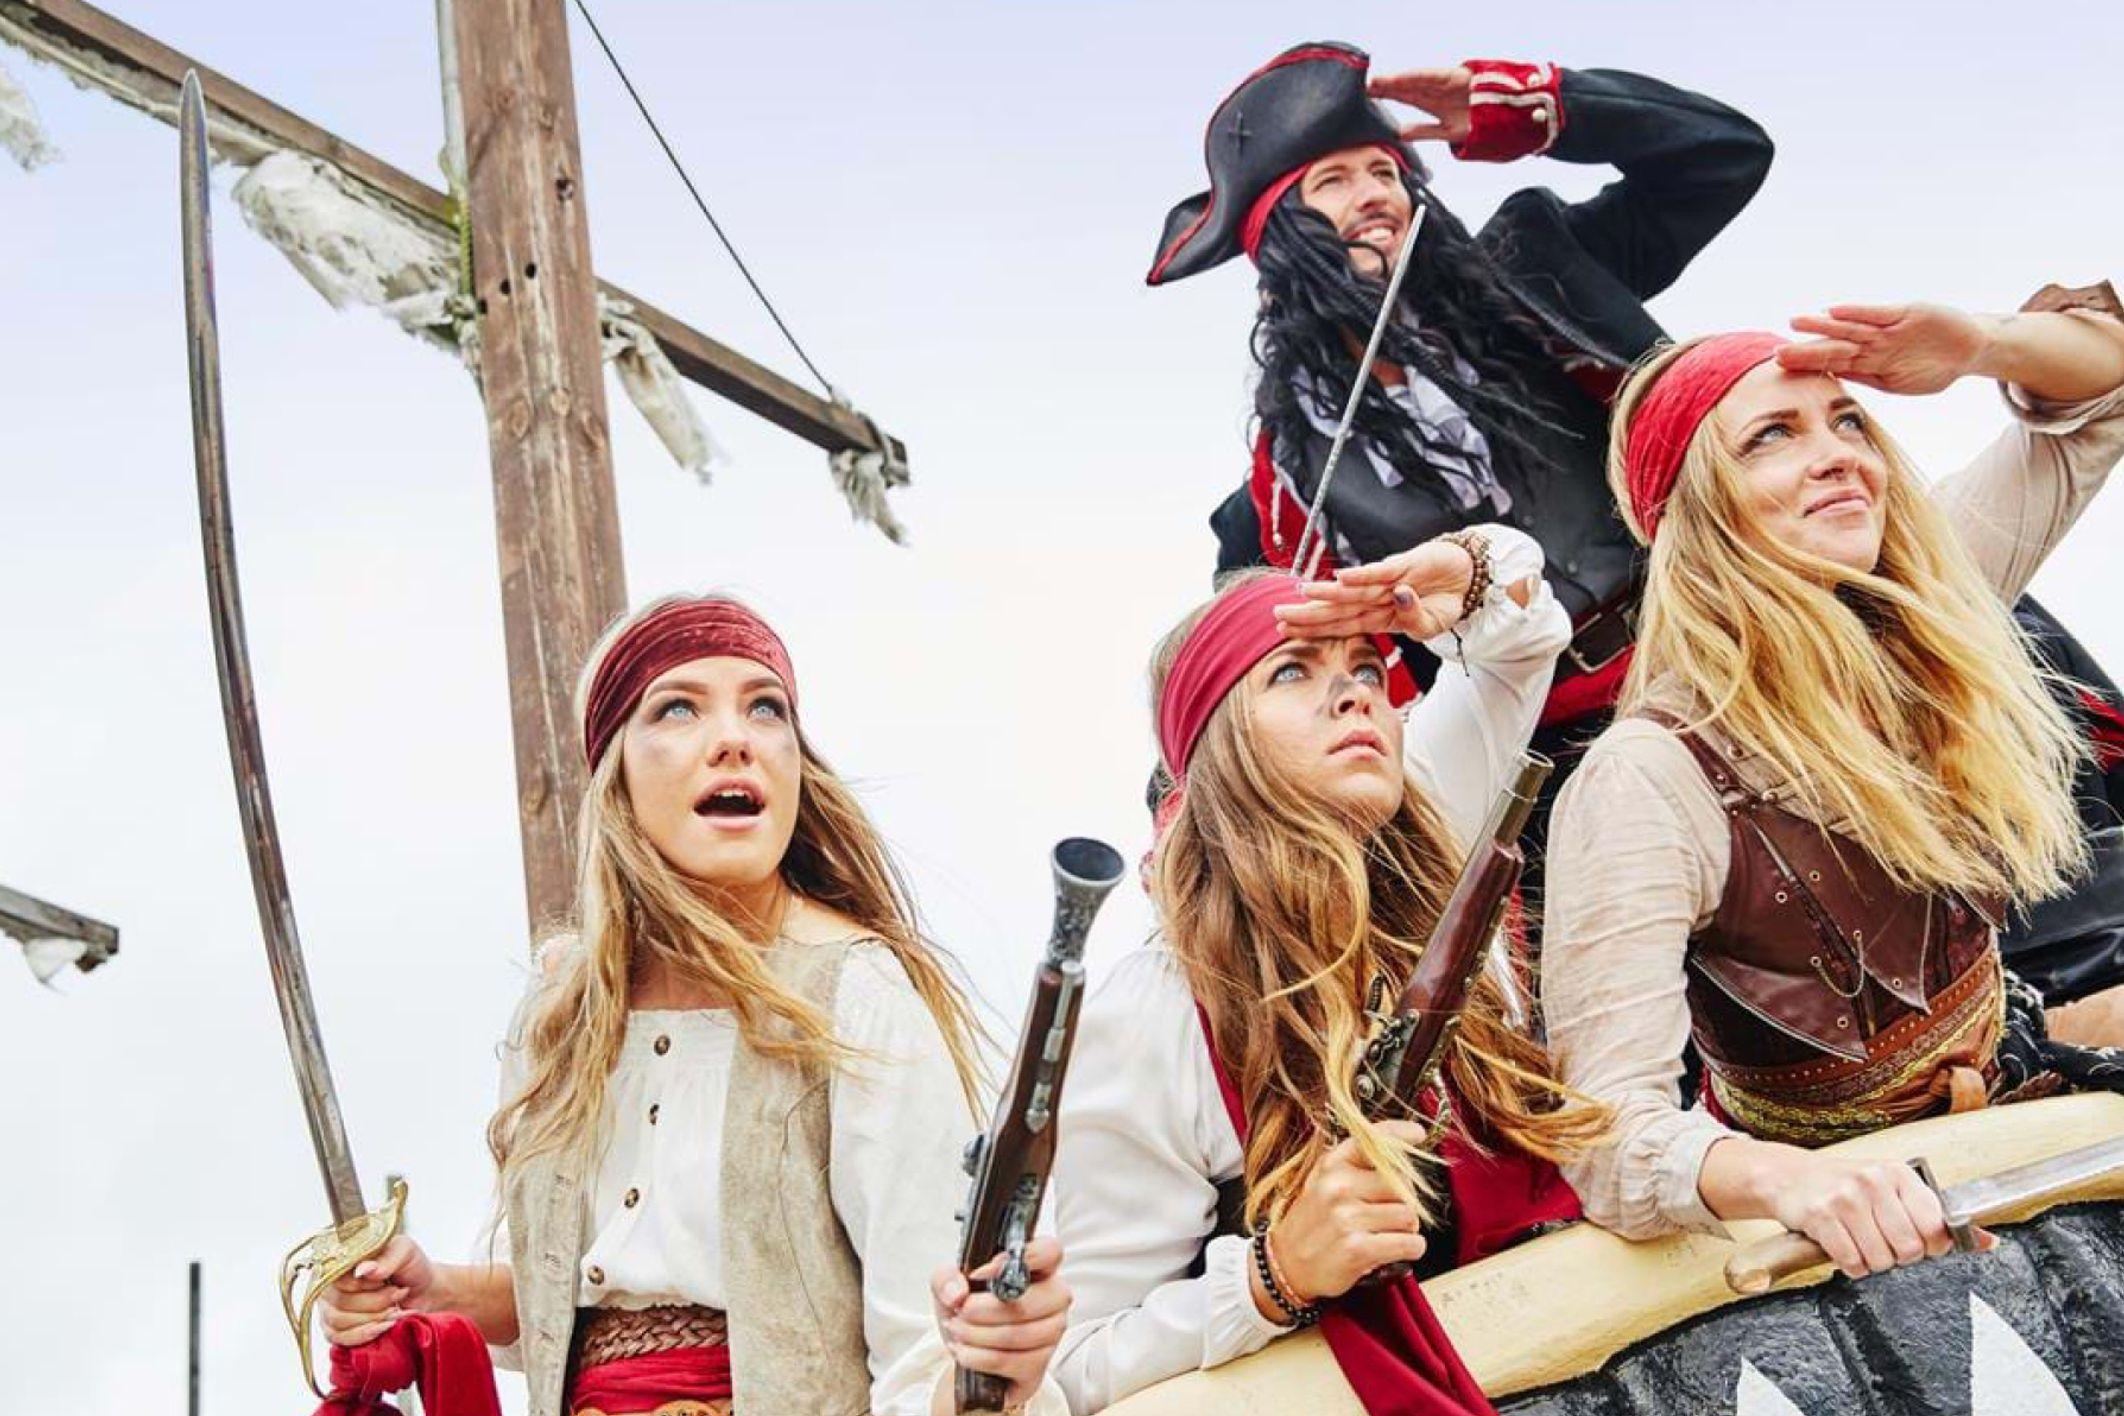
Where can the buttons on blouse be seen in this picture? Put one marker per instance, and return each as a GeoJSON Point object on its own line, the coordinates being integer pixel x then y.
{"type": "Point", "coordinates": [663, 1044]}
{"type": "Point", "coordinates": [634, 1197]}
{"type": "Point", "coordinates": [596, 1274]}
{"type": "Point", "coordinates": [654, 1107]}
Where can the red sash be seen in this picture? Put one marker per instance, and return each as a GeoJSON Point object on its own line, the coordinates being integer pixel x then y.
{"type": "Point", "coordinates": [635, 1384]}
{"type": "Point", "coordinates": [1389, 1344]}
{"type": "Point", "coordinates": [442, 1353]}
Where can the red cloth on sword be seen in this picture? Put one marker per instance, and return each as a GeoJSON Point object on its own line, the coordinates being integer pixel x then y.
{"type": "Point", "coordinates": [638, 1384]}
{"type": "Point", "coordinates": [1389, 1344]}
{"type": "Point", "coordinates": [442, 1353]}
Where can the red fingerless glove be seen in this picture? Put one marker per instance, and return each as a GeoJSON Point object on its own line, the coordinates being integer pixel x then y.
{"type": "Point", "coordinates": [1514, 110]}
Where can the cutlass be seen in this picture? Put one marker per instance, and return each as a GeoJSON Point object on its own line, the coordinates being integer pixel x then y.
{"type": "Point", "coordinates": [2008, 1195]}
{"type": "Point", "coordinates": [356, 1233]}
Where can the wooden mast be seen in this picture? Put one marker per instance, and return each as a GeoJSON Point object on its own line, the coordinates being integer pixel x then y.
{"type": "Point", "coordinates": [556, 518]}
{"type": "Point", "coordinates": [554, 506]}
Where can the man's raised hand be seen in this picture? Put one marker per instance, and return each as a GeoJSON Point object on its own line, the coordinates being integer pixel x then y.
{"type": "Point", "coordinates": [1442, 93]}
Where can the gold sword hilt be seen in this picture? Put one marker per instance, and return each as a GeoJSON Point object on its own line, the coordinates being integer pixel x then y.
{"type": "Point", "coordinates": [326, 1257]}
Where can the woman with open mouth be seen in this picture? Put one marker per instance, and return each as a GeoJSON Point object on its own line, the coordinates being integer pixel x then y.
{"type": "Point", "coordinates": [733, 1105]}
{"type": "Point", "coordinates": [1219, 1184]}
{"type": "Point", "coordinates": [1835, 773]}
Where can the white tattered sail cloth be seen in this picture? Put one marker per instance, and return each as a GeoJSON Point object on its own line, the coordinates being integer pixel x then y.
{"type": "Point", "coordinates": [1561, 1306]}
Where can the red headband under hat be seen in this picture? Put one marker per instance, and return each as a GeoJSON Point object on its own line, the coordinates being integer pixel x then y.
{"type": "Point", "coordinates": [1257, 215]}
{"type": "Point", "coordinates": [676, 633]}
{"type": "Point", "coordinates": [1673, 409]}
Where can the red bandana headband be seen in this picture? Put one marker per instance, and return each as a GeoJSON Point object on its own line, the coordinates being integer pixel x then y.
{"type": "Point", "coordinates": [1257, 215]}
{"type": "Point", "coordinates": [678, 633]}
{"type": "Point", "coordinates": [1670, 413]}
{"type": "Point", "coordinates": [1237, 633]}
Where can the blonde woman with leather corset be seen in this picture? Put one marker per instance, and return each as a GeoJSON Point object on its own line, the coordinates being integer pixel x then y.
{"type": "Point", "coordinates": [1835, 769]}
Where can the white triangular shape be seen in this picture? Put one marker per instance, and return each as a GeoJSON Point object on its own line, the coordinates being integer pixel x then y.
{"type": "Point", "coordinates": [2006, 1378]}
{"type": "Point", "coordinates": [46, 957]}
{"type": "Point", "coordinates": [1757, 1395]}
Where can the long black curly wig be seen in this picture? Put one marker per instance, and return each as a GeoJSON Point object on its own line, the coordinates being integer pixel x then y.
{"type": "Point", "coordinates": [1317, 310]}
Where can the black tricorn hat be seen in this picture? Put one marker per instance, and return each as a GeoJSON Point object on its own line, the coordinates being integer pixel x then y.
{"type": "Point", "coordinates": [1303, 104]}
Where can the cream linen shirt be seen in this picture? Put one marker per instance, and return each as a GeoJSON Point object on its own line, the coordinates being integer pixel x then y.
{"type": "Point", "coordinates": [1144, 1137]}
{"type": "Point", "coordinates": [899, 1124]}
{"type": "Point", "coordinates": [1639, 846]}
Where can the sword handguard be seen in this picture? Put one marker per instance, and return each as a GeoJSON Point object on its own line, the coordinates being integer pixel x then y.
{"type": "Point", "coordinates": [326, 1257]}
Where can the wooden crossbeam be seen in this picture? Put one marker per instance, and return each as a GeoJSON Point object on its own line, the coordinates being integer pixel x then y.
{"type": "Point", "coordinates": [67, 32]}
{"type": "Point", "coordinates": [25, 918]}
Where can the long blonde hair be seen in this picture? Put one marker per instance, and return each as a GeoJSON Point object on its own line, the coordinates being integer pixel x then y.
{"type": "Point", "coordinates": [634, 907]}
{"type": "Point", "coordinates": [1281, 915]}
{"type": "Point", "coordinates": [1903, 701]}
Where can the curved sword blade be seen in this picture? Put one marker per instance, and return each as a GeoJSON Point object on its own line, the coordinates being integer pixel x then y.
{"type": "Point", "coordinates": [239, 708]}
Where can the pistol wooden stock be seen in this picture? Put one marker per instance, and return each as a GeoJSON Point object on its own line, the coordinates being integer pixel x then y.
{"type": "Point", "coordinates": [1010, 1161]}
{"type": "Point", "coordinates": [1404, 1057]}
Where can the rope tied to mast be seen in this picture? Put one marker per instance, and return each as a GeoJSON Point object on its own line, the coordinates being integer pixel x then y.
{"type": "Point", "coordinates": [863, 475]}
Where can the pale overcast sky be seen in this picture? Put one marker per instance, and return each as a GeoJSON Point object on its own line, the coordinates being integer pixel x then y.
{"type": "Point", "coordinates": [954, 206]}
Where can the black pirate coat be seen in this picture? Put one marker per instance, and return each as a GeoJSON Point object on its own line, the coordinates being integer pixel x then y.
{"type": "Point", "coordinates": [1583, 271]}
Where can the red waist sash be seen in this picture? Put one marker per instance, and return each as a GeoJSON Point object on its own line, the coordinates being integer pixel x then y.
{"type": "Point", "coordinates": [638, 1384]}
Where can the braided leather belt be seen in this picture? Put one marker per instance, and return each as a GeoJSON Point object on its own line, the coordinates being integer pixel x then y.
{"type": "Point", "coordinates": [613, 1334]}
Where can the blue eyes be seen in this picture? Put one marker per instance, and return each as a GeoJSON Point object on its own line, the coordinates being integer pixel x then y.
{"type": "Point", "coordinates": [767, 709]}
{"type": "Point", "coordinates": [1848, 422]}
{"type": "Point", "coordinates": [1292, 672]}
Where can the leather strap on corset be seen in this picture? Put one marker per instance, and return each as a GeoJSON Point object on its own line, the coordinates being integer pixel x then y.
{"type": "Point", "coordinates": [1827, 999]}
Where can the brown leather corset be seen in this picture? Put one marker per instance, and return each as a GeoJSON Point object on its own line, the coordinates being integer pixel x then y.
{"type": "Point", "coordinates": [1821, 986]}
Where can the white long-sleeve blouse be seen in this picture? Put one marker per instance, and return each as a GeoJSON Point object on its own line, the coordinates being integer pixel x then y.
{"type": "Point", "coordinates": [1144, 1137]}
{"type": "Point", "coordinates": [898, 1126]}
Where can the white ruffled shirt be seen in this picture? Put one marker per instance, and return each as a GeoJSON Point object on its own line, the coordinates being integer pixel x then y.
{"type": "Point", "coordinates": [898, 1128]}
{"type": "Point", "coordinates": [1144, 1137]}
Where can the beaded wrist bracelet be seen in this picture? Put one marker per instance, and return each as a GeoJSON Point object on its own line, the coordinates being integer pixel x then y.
{"type": "Point", "coordinates": [1477, 546]}
{"type": "Point", "coordinates": [1295, 1314]}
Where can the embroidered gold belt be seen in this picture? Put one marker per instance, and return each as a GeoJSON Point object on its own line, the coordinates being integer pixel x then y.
{"type": "Point", "coordinates": [1944, 1059]}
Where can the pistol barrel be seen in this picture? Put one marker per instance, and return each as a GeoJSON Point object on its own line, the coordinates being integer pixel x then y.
{"type": "Point", "coordinates": [1517, 804]}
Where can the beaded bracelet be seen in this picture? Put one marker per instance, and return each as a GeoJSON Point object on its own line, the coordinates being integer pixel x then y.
{"type": "Point", "coordinates": [1477, 546]}
{"type": "Point", "coordinates": [1295, 1314]}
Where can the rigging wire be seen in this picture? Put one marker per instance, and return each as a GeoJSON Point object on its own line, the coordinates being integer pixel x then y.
{"type": "Point", "coordinates": [680, 168]}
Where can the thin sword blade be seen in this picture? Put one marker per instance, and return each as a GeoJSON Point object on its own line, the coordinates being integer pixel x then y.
{"type": "Point", "coordinates": [239, 708]}
{"type": "Point", "coordinates": [1302, 563]}
{"type": "Point", "coordinates": [1976, 1201]}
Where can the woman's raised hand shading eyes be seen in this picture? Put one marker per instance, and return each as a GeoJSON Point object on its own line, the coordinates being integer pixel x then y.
{"type": "Point", "coordinates": [1897, 348]}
